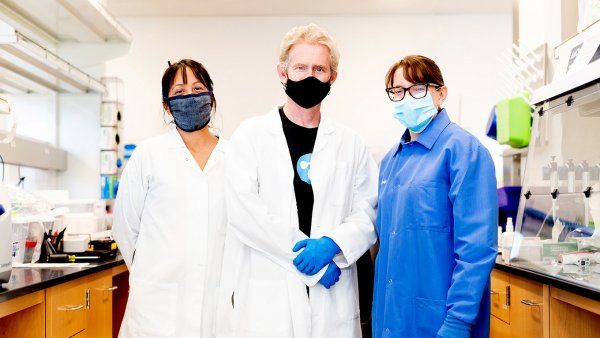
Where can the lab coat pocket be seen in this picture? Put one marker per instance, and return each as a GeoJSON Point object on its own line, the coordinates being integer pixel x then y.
{"type": "Point", "coordinates": [345, 296]}
{"type": "Point", "coordinates": [431, 205]}
{"type": "Point", "coordinates": [268, 302]}
{"type": "Point", "coordinates": [152, 307]}
{"type": "Point", "coordinates": [429, 316]}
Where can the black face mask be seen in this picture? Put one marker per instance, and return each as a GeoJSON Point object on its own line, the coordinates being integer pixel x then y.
{"type": "Point", "coordinates": [307, 93]}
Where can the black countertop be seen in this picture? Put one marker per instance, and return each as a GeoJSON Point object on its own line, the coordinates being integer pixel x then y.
{"type": "Point", "coordinates": [553, 276]}
{"type": "Point", "coordinates": [24, 281]}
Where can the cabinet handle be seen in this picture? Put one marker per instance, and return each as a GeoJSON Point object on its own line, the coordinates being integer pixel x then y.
{"type": "Point", "coordinates": [530, 302]}
{"type": "Point", "coordinates": [492, 292]}
{"type": "Point", "coordinates": [112, 288]}
{"type": "Point", "coordinates": [69, 307]}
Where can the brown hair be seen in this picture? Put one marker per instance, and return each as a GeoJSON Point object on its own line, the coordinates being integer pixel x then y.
{"type": "Point", "coordinates": [199, 71]}
{"type": "Point", "coordinates": [417, 69]}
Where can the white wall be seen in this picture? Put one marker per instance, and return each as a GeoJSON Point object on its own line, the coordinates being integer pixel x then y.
{"type": "Point", "coordinates": [36, 118]}
{"type": "Point", "coordinates": [241, 53]}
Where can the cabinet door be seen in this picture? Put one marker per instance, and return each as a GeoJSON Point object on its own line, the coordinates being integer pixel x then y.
{"type": "Point", "coordinates": [499, 328]}
{"type": "Point", "coordinates": [65, 309]}
{"type": "Point", "coordinates": [500, 302]}
{"type": "Point", "coordinates": [100, 308]}
{"type": "Point", "coordinates": [526, 314]}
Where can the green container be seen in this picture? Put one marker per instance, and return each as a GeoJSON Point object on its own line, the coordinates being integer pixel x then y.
{"type": "Point", "coordinates": [513, 119]}
{"type": "Point", "coordinates": [553, 250]}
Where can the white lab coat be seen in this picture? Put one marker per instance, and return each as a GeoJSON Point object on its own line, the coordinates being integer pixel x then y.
{"type": "Point", "coordinates": [270, 299]}
{"type": "Point", "coordinates": [169, 224]}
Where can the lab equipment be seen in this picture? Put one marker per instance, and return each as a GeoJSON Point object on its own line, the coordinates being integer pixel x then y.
{"type": "Point", "coordinates": [20, 230]}
{"type": "Point", "coordinates": [560, 193]}
{"type": "Point", "coordinates": [75, 243]}
{"type": "Point", "coordinates": [5, 238]}
{"type": "Point", "coordinates": [507, 240]}
{"type": "Point", "coordinates": [110, 114]}
{"type": "Point", "coordinates": [83, 223]}
{"type": "Point", "coordinates": [129, 148]}
{"type": "Point", "coordinates": [513, 122]}
{"type": "Point", "coordinates": [108, 162]}
{"type": "Point", "coordinates": [578, 256]}
{"type": "Point", "coordinates": [109, 138]}
{"type": "Point", "coordinates": [316, 254]}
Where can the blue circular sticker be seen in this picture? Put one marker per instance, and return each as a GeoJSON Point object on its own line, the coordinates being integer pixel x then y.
{"type": "Point", "coordinates": [303, 167]}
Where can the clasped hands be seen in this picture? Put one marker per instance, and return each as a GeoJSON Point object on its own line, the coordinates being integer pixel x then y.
{"type": "Point", "coordinates": [315, 255]}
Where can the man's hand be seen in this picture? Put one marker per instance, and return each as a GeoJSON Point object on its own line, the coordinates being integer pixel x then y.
{"type": "Point", "coordinates": [316, 254]}
{"type": "Point", "coordinates": [331, 276]}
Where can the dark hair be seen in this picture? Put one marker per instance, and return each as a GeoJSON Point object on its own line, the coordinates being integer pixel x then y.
{"type": "Point", "coordinates": [417, 69]}
{"type": "Point", "coordinates": [199, 71]}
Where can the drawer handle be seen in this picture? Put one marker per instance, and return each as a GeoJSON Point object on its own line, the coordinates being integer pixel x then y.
{"type": "Point", "coordinates": [112, 288]}
{"type": "Point", "coordinates": [492, 292]}
{"type": "Point", "coordinates": [530, 302]}
{"type": "Point", "coordinates": [69, 307]}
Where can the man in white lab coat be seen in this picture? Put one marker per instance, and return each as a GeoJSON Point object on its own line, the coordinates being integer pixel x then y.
{"type": "Point", "coordinates": [301, 197]}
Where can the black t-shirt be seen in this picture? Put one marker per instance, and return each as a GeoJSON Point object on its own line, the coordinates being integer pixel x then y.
{"type": "Point", "coordinates": [301, 142]}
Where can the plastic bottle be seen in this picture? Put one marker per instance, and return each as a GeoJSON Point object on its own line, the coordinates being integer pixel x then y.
{"type": "Point", "coordinates": [507, 240]}
{"type": "Point", "coordinates": [500, 239]}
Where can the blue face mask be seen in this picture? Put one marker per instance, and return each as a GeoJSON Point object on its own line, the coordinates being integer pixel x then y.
{"type": "Point", "coordinates": [415, 114]}
{"type": "Point", "coordinates": [191, 112]}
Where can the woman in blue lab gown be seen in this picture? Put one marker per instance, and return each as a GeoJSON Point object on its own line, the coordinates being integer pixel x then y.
{"type": "Point", "coordinates": [437, 217]}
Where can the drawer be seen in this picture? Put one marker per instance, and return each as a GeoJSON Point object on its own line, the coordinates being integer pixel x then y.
{"type": "Point", "coordinates": [66, 309]}
{"type": "Point", "coordinates": [527, 307]}
{"type": "Point", "coordinates": [500, 295]}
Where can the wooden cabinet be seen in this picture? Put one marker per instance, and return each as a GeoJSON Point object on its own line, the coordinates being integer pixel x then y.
{"type": "Point", "coordinates": [518, 306]}
{"type": "Point", "coordinates": [23, 317]}
{"type": "Point", "coordinates": [537, 310]}
{"type": "Point", "coordinates": [527, 306]}
{"type": "Point", "coordinates": [65, 309]}
{"type": "Point", "coordinates": [99, 315]}
{"type": "Point", "coordinates": [499, 328]}
{"type": "Point", "coordinates": [80, 308]}
{"type": "Point", "coordinates": [573, 316]}
{"type": "Point", "coordinates": [499, 293]}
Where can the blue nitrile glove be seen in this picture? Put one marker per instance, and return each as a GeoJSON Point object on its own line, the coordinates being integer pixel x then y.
{"type": "Point", "coordinates": [331, 276]}
{"type": "Point", "coordinates": [454, 328]}
{"type": "Point", "coordinates": [316, 254]}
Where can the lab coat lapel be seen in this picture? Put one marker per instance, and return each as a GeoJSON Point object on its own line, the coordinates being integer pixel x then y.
{"type": "Point", "coordinates": [184, 153]}
{"type": "Point", "coordinates": [282, 167]}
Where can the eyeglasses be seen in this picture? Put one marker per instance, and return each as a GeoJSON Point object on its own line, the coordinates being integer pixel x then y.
{"type": "Point", "coordinates": [417, 91]}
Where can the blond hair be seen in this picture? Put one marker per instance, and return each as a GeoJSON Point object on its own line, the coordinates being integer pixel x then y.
{"type": "Point", "coordinates": [310, 33]}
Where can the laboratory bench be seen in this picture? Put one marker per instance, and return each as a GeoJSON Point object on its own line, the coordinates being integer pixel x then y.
{"type": "Point", "coordinates": [85, 301]}
{"type": "Point", "coordinates": [536, 300]}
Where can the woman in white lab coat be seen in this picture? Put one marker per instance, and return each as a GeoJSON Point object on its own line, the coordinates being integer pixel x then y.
{"type": "Point", "coordinates": [169, 217]}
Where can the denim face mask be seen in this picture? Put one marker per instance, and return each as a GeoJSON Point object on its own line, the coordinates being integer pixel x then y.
{"type": "Point", "coordinates": [191, 112]}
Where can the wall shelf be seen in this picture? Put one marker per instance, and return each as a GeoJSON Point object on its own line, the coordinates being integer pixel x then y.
{"type": "Point", "coordinates": [32, 153]}
{"type": "Point", "coordinates": [29, 67]}
{"type": "Point", "coordinates": [84, 21]}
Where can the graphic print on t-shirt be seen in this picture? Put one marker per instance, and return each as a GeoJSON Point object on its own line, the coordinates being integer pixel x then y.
{"type": "Point", "coordinates": [303, 168]}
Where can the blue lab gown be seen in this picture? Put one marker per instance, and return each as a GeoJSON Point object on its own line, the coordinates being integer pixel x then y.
{"type": "Point", "coordinates": [437, 228]}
